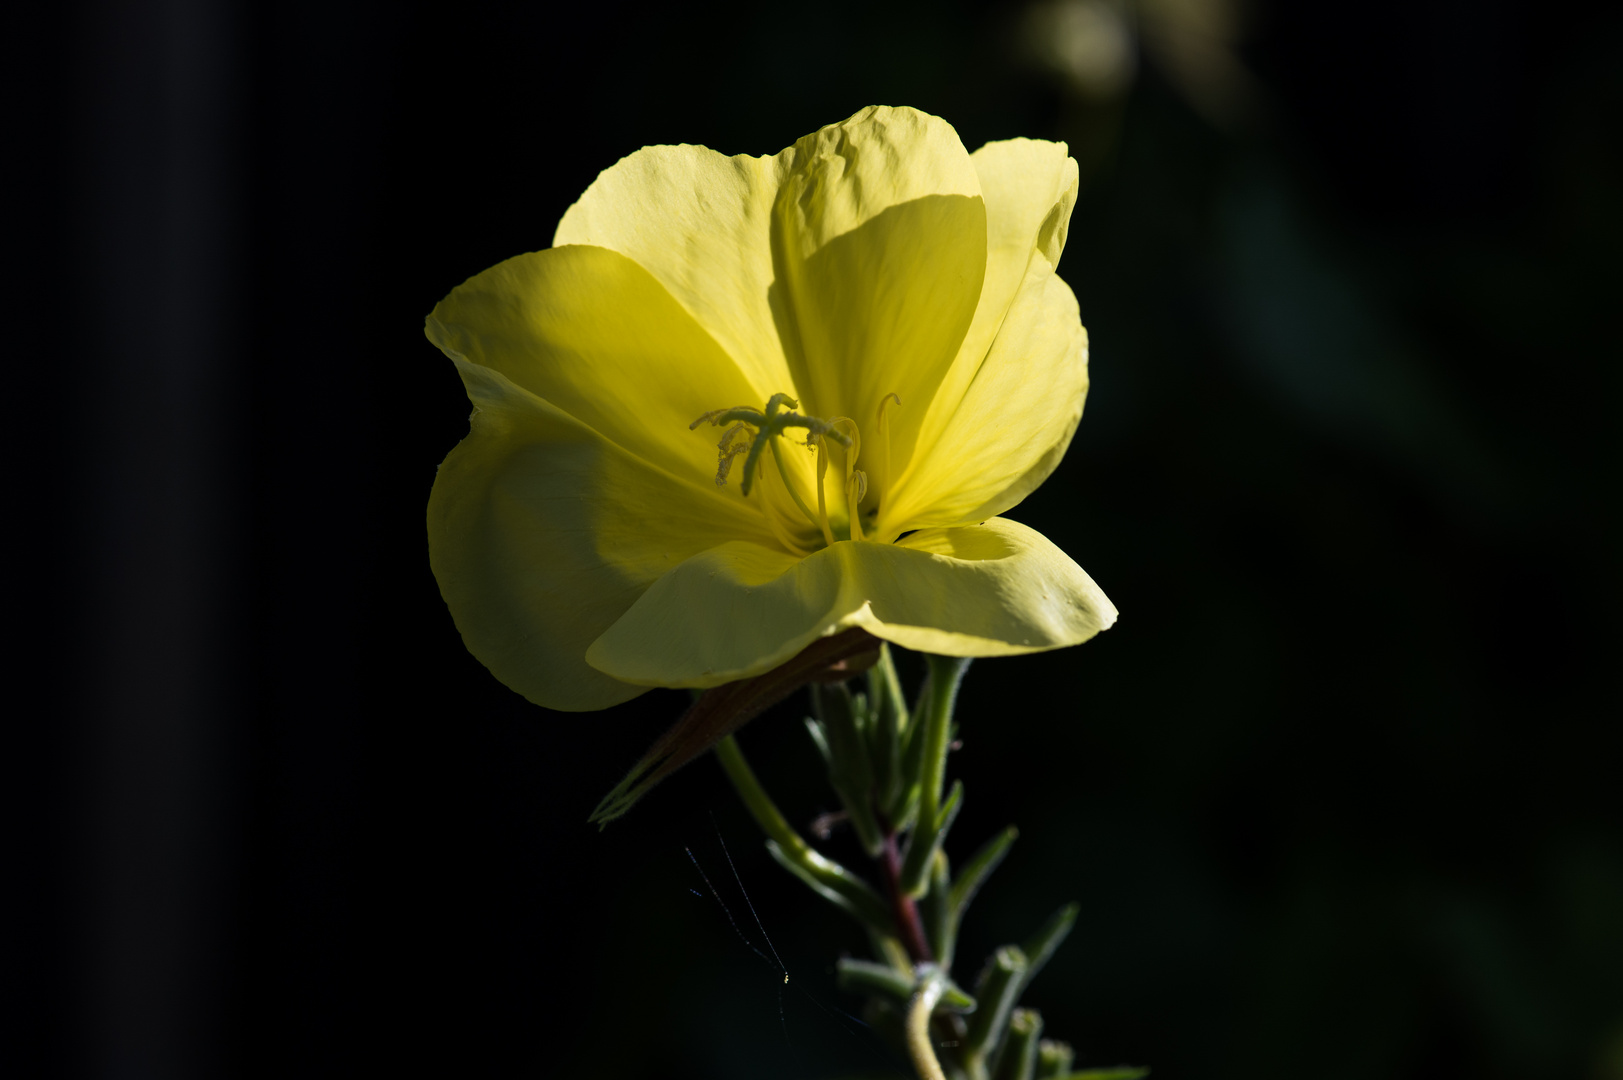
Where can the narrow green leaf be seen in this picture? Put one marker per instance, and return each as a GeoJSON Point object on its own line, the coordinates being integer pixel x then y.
{"type": "Point", "coordinates": [890, 695]}
{"type": "Point", "coordinates": [935, 908]}
{"type": "Point", "coordinates": [866, 977]}
{"type": "Point", "coordinates": [887, 946]}
{"type": "Point", "coordinates": [946, 672]}
{"type": "Point", "coordinates": [922, 846]}
{"type": "Point", "coordinates": [979, 868]}
{"type": "Point", "coordinates": [949, 812]}
{"type": "Point", "coordinates": [889, 715]}
{"type": "Point", "coordinates": [956, 999]}
{"type": "Point", "coordinates": [838, 886]}
{"type": "Point", "coordinates": [907, 815]}
{"type": "Point", "coordinates": [997, 991]}
{"type": "Point", "coordinates": [1053, 1059]}
{"type": "Point", "coordinates": [863, 709]}
{"type": "Point", "coordinates": [1120, 1072]}
{"type": "Point", "coordinates": [827, 877]}
{"type": "Point", "coordinates": [850, 772]}
{"type": "Point", "coordinates": [815, 729]}
{"type": "Point", "coordinates": [834, 707]}
{"type": "Point", "coordinates": [1040, 947]}
{"type": "Point", "coordinates": [904, 809]}
{"type": "Point", "coordinates": [1017, 1057]}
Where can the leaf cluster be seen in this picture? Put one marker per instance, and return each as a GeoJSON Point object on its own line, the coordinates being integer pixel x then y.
{"type": "Point", "coordinates": [886, 763]}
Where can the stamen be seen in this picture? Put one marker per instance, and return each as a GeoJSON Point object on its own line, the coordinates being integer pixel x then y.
{"type": "Point", "coordinates": [789, 542]}
{"type": "Point", "coordinates": [883, 431]}
{"type": "Point", "coordinates": [763, 437]}
{"type": "Point", "coordinates": [726, 451]}
{"type": "Point", "coordinates": [768, 425]}
{"type": "Point", "coordinates": [794, 493]}
{"type": "Point", "coordinates": [855, 488]}
{"type": "Point", "coordinates": [853, 451]}
{"type": "Point", "coordinates": [822, 504]}
{"type": "Point", "coordinates": [713, 413]}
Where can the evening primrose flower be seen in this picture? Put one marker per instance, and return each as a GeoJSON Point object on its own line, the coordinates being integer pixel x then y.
{"type": "Point", "coordinates": [742, 404]}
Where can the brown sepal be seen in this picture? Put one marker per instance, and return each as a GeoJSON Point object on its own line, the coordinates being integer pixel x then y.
{"type": "Point", "coordinates": [722, 710]}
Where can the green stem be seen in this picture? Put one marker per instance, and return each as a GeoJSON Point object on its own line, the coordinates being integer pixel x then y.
{"type": "Point", "coordinates": [946, 672]}
{"type": "Point", "coordinates": [760, 804]}
{"type": "Point", "coordinates": [936, 908]}
{"type": "Point", "coordinates": [918, 1027]}
{"type": "Point", "coordinates": [904, 909]}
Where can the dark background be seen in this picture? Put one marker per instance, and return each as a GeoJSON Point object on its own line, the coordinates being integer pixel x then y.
{"type": "Point", "coordinates": [1340, 794]}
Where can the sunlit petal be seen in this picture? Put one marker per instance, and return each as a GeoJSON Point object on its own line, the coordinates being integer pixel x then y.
{"type": "Point", "coordinates": [1014, 421]}
{"type": "Point", "coordinates": [542, 533]}
{"type": "Point", "coordinates": [1029, 187]}
{"type": "Point", "coordinates": [699, 222]}
{"type": "Point", "coordinates": [590, 542]}
{"type": "Point", "coordinates": [597, 336]}
{"type": "Point", "coordinates": [740, 609]}
{"type": "Point", "coordinates": [878, 268]}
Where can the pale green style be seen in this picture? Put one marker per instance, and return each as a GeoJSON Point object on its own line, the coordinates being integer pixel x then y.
{"type": "Point", "coordinates": [889, 294]}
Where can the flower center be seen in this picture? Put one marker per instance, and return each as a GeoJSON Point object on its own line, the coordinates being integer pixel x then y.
{"type": "Point", "coordinates": [752, 432]}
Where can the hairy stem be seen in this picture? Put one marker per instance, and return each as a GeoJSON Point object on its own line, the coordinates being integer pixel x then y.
{"type": "Point", "coordinates": [904, 909]}
{"type": "Point", "coordinates": [919, 1046]}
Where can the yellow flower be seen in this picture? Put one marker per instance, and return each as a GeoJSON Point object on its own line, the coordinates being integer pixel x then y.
{"type": "Point", "coordinates": [744, 403]}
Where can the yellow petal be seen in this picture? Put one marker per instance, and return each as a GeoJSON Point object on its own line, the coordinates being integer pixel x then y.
{"type": "Point", "coordinates": [598, 337]}
{"type": "Point", "coordinates": [879, 250]}
{"type": "Point", "coordinates": [1014, 422]}
{"type": "Point", "coordinates": [740, 609]}
{"type": "Point", "coordinates": [699, 222]}
{"type": "Point", "coordinates": [844, 175]}
{"type": "Point", "coordinates": [542, 534]}
{"type": "Point", "coordinates": [1029, 187]}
